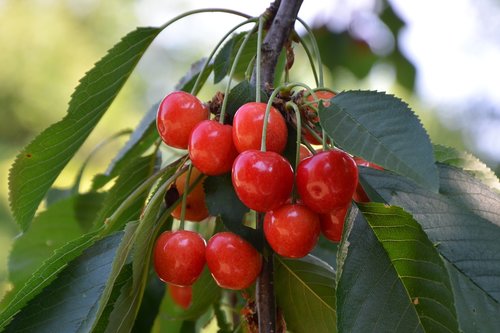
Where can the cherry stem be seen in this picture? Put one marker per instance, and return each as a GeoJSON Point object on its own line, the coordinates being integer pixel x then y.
{"type": "Point", "coordinates": [233, 69]}
{"type": "Point", "coordinates": [259, 59]}
{"type": "Point", "coordinates": [196, 87]}
{"type": "Point", "coordinates": [266, 115]}
{"type": "Point", "coordinates": [298, 120]}
{"type": "Point", "coordinates": [204, 10]}
{"type": "Point", "coordinates": [315, 50]}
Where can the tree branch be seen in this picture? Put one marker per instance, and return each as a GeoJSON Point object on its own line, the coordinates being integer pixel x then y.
{"type": "Point", "coordinates": [276, 37]}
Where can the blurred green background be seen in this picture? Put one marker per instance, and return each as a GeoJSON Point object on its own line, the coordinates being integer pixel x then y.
{"type": "Point", "coordinates": [47, 45]}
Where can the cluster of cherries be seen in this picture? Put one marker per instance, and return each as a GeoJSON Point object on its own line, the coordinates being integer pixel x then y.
{"type": "Point", "coordinates": [263, 180]}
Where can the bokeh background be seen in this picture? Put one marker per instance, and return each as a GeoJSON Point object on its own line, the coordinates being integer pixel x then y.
{"type": "Point", "coordinates": [441, 56]}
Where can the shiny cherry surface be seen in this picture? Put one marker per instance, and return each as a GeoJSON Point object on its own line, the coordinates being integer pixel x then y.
{"type": "Point", "coordinates": [211, 147]}
{"type": "Point", "coordinates": [233, 262]}
{"type": "Point", "coordinates": [262, 180]}
{"type": "Point", "coordinates": [196, 209]}
{"type": "Point", "coordinates": [292, 230]}
{"type": "Point", "coordinates": [327, 180]}
{"type": "Point", "coordinates": [179, 257]}
{"type": "Point", "coordinates": [247, 128]}
{"type": "Point", "coordinates": [178, 113]}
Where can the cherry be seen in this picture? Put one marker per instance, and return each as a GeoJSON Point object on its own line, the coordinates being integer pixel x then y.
{"type": "Point", "coordinates": [332, 223]}
{"type": "Point", "coordinates": [179, 257]}
{"type": "Point", "coordinates": [292, 230]}
{"type": "Point", "coordinates": [360, 194]}
{"type": "Point", "coordinates": [233, 262]}
{"type": "Point", "coordinates": [304, 152]}
{"type": "Point", "coordinates": [196, 209]}
{"type": "Point", "coordinates": [311, 115]}
{"type": "Point", "coordinates": [177, 115]}
{"type": "Point", "coordinates": [247, 128]}
{"type": "Point", "coordinates": [327, 180]}
{"type": "Point", "coordinates": [262, 180]}
{"type": "Point", "coordinates": [181, 295]}
{"type": "Point", "coordinates": [211, 147]}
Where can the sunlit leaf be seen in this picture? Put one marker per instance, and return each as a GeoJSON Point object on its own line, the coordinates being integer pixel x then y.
{"type": "Point", "coordinates": [463, 238]}
{"type": "Point", "coordinates": [381, 129]}
{"type": "Point", "coordinates": [305, 292]}
{"type": "Point", "coordinates": [393, 279]}
{"type": "Point", "coordinates": [40, 162]}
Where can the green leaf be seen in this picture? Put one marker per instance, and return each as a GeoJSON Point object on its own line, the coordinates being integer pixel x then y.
{"type": "Point", "coordinates": [223, 60]}
{"type": "Point", "coordinates": [417, 264]}
{"type": "Point", "coordinates": [86, 208]}
{"type": "Point", "coordinates": [129, 179]}
{"type": "Point", "coordinates": [463, 238]}
{"type": "Point", "coordinates": [69, 303]}
{"type": "Point", "coordinates": [47, 273]}
{"type": "Point", "coordinates": [141, 139]}
{"type": "Point", "coordinates": [305, 292]}
{"type": "Point", "coordinates": [326, 250]}
{"type": "Point", "coordinates": [41, 161]}
{"type": "Point", "coordinates": [476, 311]}
{"type": "Point", "coordinates": [381, 129]}
{"type": "Point", "coordinates": [51, 229]}
{"type": "Point", "coordinates": [150, 306]}
{"type": "Point", "coordinates": [374, 293]}
{"type": "Point", "coordinates": [221, 200]}
{"type": "Point", "coordinates": [467, 162]}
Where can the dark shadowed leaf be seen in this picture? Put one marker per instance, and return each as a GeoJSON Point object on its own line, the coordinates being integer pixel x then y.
{"type": "Point", "coordinates": [371, 296]}
{"type": "Point", "coordinates": [223, 60]}
{"type": "Point", "coordinates": [305, 292]}
{"type": "Point", "coordinates": [40, 162]}
{"type": "Point", "coordinates": [186, 83]}
{"type": "Point", "coordinates": [69, 304]}
{"type": "Point", "coordinates": [381, 129]}
{"type": "Point", "coordinates": [151, 301]}
{"type": "Point", "coordinates": [243, 92]}
{"type": "Point", "coordinates": [86, 208]}
{"type": "Point", "coordinates": [476, 311]}
{"type": "Point", "coordinates": [221, 200]}
{"type": "Point", "coordinates": [465, 239]}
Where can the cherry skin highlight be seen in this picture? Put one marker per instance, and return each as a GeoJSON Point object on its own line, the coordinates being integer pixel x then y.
{"type": "Point", "coordinates": [262, 180]}
{"type": "Point", "coordinates": [248, 124]}
{"type": "Point", "coordinates": [196, 209]}
{"type": "Point", "coordinates": [233, 262]}
{"type": "Point", "coordinates": [181, 295]}
{"type": "Point", "coordinates": [327, 180]}
{"type": "Point", "coordinates": [178, 113]}
{"type": "Point", "coordinates": [179, 257]}
{"type": "Point", "coordinates": [211, 148]}
{"type": "Point", "coordinates": [292, 230]}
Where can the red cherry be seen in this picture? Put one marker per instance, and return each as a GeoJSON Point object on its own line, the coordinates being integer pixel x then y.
{"type": "Point", "coordinates": [292, 230]}
{"type": "Point", "coordinates": [332, 223]}
{"type": "Point", "coordinates": [196, 209]}
{"type": "Point", "coordinates": [181, 295]}
{"type": "Point", "coordinates": [304, 152]}
{"type": "Point", "coordinates": [211, 147]}
{"type": "Point", "coordinates": [177, 115]}
{"type": "Point", "coordinates": [247, 128]}
{"type": "Point", "coordinates": [327, 180]}
{"type": "Point", "coordinates": [179, 257]}
{"type": "Point", "coordinates": [311, 115]}
{"type": "Point", "coordinates": [233, 262]}
{"type": "Point", "coordinates": [262, 180]}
